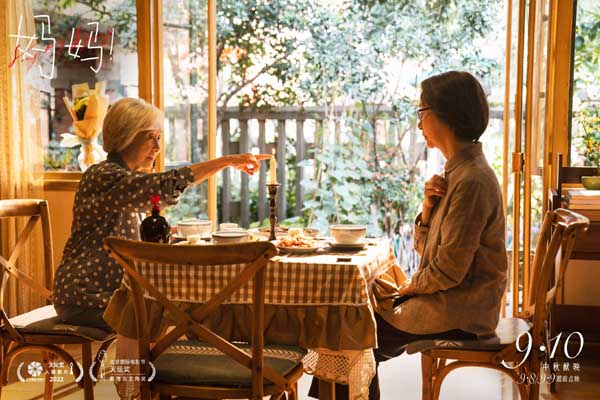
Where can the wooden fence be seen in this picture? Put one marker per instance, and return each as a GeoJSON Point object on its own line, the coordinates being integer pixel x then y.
{"type": "Point", "coordinates": [304, 132]}
{"type": "Point", "coordinates": [236, 137]}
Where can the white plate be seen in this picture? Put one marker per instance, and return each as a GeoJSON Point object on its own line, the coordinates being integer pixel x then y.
{"type": "Point", "coordinates": [345, 246]}
{"type": "Point", "coordinates": [298, 250]}
{"type": "Point", "coordinates": [266, 233]}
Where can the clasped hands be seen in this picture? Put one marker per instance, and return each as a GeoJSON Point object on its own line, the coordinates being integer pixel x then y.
{"type": "Point", "coordinates": [435, 189]}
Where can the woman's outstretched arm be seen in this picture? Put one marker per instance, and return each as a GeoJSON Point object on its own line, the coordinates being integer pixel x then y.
{"type": "Point", "coordinates": [247, 163]}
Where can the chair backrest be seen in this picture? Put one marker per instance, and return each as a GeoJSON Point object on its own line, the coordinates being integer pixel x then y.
{"type": "Point", "coordinates": [559, 230]}
{"type": "Point", "coordinates": [252, 256]}
{"type": "Point", "coordinates": [36, 210]}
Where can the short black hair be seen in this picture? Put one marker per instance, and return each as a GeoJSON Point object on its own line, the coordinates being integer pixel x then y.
{"type": "Point", "coordinates": [458, 100]}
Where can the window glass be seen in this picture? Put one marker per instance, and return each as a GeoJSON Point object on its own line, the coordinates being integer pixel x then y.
{"type": "Point", "coordinates": [185, 55]}
{"type": "Point", "coordinates": [585, 124]}
{"type": "Point", "coordinates": [80, 47]}
{"type": "Point", "coordinates": [538, 119]}
{"type": "Point", "coordinates": [333, 87]}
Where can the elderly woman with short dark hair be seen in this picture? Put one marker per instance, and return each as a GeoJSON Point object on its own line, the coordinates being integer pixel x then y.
{"type": "Point", "coordinates": [108, 201]}
{"type": "Point", "coordinates": [460, 233]}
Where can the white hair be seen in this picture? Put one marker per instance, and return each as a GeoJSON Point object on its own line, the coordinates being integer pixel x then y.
{"type": "Point", "coordinates": [125, 119]}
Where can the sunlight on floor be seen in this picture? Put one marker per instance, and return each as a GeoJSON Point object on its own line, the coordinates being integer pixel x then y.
{"type": "Point", "coordinates": [401, 379]}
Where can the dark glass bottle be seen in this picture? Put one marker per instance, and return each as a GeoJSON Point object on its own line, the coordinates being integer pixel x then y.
{"type": "Point", "coordinates": [155, 228]}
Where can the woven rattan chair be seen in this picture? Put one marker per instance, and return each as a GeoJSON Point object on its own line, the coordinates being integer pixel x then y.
{"type": "Point", "coordinates": [212, 367]}
{"type": "Point", "coordinates": [559, 229]}
{"type": "Point", "coordinates": [40, 329]}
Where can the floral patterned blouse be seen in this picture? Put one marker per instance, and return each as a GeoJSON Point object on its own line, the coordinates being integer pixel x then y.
{"type": "Point", "coordinates": [107, 203]}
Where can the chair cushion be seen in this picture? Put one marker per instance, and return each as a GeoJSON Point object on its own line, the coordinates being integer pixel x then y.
{"type": "Point", "coordinates": [44, 321]}
{"type": "Point", "coordinates": [507, 332]}
{"type": "Point", "coordinates": [201, 364]}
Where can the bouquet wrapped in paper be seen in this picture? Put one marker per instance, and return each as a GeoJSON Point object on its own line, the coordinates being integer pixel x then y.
{"type": "Point", "coordinates": [88, 109]}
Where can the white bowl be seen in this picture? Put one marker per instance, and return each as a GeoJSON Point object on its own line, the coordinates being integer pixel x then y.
{"type": "Point", "coordinates": [189, 227]}
{"type": "Point", "coordinates": [225, 237]}
{"type": "Point", "coordinates": [348, 234]}
{"type": "Point", "coordinates": [311, 232]}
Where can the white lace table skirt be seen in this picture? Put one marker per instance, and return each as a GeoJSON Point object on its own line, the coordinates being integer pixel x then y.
{"type": "Point", "coordinates": [354, 368]}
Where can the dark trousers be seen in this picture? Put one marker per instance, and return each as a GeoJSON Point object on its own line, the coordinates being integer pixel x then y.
{"type": "Point", "coordinates": [391, 343]}
{"type": "Point", "coordinates": [75, 315]}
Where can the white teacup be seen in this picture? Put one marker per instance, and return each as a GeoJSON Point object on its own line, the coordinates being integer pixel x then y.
{"type": "Point", "coordinates": [201, 227]}
{"type": "Point", "coordinates": [227, 237]}
{"type": "Point", "coordinates": [193, 239]}
{"type": "Point", "coordinates": [311, 232]}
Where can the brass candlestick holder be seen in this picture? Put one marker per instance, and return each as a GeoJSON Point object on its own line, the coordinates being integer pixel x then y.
{"type": "Point", "coordinates": [273, 187]}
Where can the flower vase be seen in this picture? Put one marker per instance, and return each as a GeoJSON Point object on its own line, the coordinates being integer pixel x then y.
{"type": "Point", "coordinates": [91, 153]}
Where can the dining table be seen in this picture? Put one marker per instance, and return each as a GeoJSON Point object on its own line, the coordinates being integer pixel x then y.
{"type": "Point", "coordinates": [321, 301]}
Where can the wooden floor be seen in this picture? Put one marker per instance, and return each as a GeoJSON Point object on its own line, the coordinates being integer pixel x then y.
{"type": "Point", "coordinates": [400, 380]}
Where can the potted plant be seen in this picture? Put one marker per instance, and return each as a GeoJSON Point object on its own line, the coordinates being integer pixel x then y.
{"type": "Point", "coordinates": [591, 141]}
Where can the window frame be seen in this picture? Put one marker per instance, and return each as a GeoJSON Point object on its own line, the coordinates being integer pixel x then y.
{"type": "Point", "coordinates": [151, 80]}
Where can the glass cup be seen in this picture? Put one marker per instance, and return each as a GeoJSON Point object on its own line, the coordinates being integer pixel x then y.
{"type": "Point", "coordinates": [229, 226]}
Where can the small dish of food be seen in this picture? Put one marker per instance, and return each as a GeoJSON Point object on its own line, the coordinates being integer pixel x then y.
{"type": "Point", "coordinates": [297, 245]}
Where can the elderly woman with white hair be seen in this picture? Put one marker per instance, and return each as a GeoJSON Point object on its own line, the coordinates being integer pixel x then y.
{"type": "Point", "coordinates": [108, 201]}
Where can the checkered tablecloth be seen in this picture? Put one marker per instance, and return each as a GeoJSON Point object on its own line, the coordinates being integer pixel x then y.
{"type": "Point", "coordinates": [320, 279]}
{"type": "Point", "coordinates": [316, 279]}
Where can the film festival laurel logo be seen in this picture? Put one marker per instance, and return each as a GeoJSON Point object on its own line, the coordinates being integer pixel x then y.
{"type": "Point", "coordinates": [115, 370]}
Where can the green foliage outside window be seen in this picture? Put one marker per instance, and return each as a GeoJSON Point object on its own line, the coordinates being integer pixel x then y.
{"type": "Point", "coordinates": [589, 118]}
{"type": "Point", "coordinates": [366, 57]}
{"type": "Point", "coordinates": [586, 123]}
{"type": "Point", "coordinates": [357, 56]}
{"type": "Point", "coordinates": [60, 158]}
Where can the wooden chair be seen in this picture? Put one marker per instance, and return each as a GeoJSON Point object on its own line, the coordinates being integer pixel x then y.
{"type": "Point", "coordinates": [570, 316]}
{"type": "Point", "coordinates": [212, 368]}
{"type": "Point", "coordinates": [558, 232]}
{"type": "Point", "coordinates": [40, 329]}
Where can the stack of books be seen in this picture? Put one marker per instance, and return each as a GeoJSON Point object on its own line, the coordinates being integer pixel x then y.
{"type": "Point", "coordinates": [585, 202]}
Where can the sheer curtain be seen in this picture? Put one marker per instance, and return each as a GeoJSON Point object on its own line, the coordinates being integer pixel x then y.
{"type": "Point", "coordinates": [21, 159]}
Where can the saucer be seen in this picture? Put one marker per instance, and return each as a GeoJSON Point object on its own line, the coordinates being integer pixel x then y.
{"type": "Point", "coordinates": [348, 246]}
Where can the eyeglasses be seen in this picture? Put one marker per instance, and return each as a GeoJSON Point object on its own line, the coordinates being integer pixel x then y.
{"type": "Point", "coordinates": [420, 112]}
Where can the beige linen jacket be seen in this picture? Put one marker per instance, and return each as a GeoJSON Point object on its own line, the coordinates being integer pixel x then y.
{"type": "Point", "coordinates": [462, 274]}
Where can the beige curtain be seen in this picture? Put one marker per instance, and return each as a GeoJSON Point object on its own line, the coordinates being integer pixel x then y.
{"type": "Point", "coordinates": [21, 159]}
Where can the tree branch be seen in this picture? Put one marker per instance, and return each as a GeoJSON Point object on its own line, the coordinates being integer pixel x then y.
{"type": "Point", "coordinates": [95, 8]}
{"type": "Point", "coordinates": [225, 97]}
